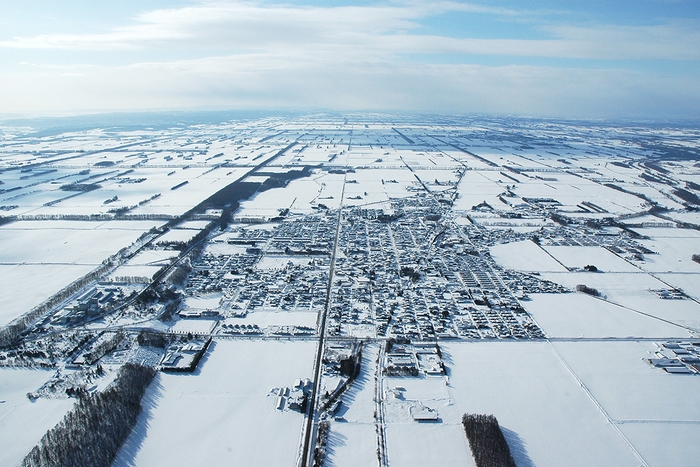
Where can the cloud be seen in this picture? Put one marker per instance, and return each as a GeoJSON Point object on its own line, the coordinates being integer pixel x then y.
{"type": "Point", "coordinates": [253, 55]}
{"type": "Point", "coordinates": [674, 40]}
{"type": "Point", "coordinates": [265, 82]}
{"type": "Point", "coordinates": [380, 31]}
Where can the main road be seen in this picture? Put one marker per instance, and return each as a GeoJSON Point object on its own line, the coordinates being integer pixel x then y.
{"type": "Point", "coordinates": [312, 414]}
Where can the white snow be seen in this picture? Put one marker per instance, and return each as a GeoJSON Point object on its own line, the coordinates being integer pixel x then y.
{"type": "Point", "coordinates": [627, 386]}
{"type": "Point", "coordinates": [663, 443]}
{"type": "Point", "coordinates": [524, 256]}
{"type": "Point", "coordinates": [62, 245]}
{"type": "Point", "coordinates": [580, 256]}
{"type": "Point", "coordinates": [177, 235]}
{"type": "Point", "coordinates": [534, 396]}
{"type": "Point", "coordinates": [222, 415]}
{"type": "Point", "coordinates": [194, 326]}
{"type": "Point", "coordinates": [24, 286]}
{"type": "Point", "coordinates": [636, 291]}
{"type": "Point", "coordinates": [674, 249]}
{"type": "Point", "coordinates": [687, 282]}
{"type": "Point", "coordinates": [580, 315]}
{"type": "Point", "coordinates": [22, 422]}
{"type": "Point", "coordinates": [413, 444]}
{"type": "Point", "coordinates": [353, 441]}
{"type": "Point", "coordinates": [264, 318]}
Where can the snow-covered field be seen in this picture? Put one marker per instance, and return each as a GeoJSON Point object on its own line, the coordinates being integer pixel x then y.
{"type": "Point", "coordinates": [24, 422]}
{"type": "Point", "coordinates": [299, 195]}
{"type": "Point", "coordinates": [353, 441]}
{"type": "Point", "coordinates": [138, 272]}
{"type": "Point", "coordinates": [627, 386]}
{"type": "Point", "coordinates": [194, 326]}
{"type": "Point", "coordinates": [585, 396]}
{"type": "Point", "coordinates": [475, 188]}
{"type": "Point", "coordinates": [153, 257]}
{"type": "Point", "coordinates": [222, 414]}
{"type": "Point", "coordinates": [580, 256]}
{"type": "Point", "coordinates": [636, 291]}
{"type": "Point", "coordinates": [675, 247]}
{"type": "Point", "coordinates": [67, 246]}
{"type": "Point", "coordinates": [411, 444]}
{"type": "Point", "coordinates": [24, 286]}
{"type": "Point", "coordinates": [177, 235]}
{"type": "Point", "coordinates": [662, 443]}
{"type": "Point", "coordinates": [580, 315]}
{"type": "Point", "coordinates": [687, 282]}
{"type": "Point", "coordinates": [525, 256]}
{"type": "Point", "coordinates": [536, 400]}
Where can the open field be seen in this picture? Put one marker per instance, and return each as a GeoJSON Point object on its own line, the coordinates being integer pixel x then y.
{"type": "Point", "coordinates": [24, 422]}
{"type": "Point", "coordinates": [525, 256]}
{"type": "Point", "coordinates": [223, 413]}
{"type": "Point", "coordinates": [533, 394]}
{"type": "Point", "coordinates": [64, 246]}
{"type": "Point", "coordinates": [25, 286]}
{"type": "Point", "coordinates": [580, 315]}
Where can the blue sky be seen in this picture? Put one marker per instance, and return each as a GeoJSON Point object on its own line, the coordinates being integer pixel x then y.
{"type": "Point", "coordinates": [572, 59]}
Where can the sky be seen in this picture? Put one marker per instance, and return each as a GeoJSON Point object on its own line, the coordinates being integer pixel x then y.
{"type": "Point", "coordinates": [637, 59]}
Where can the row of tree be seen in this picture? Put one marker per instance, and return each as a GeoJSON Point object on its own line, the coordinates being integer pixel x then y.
{"type": "Point", "coordinates": [587, 290]}
{"type": "Point", "coordinates": [324, 429]}
{"type": "Point", "coordinates": [103, 348]}
{"type": "Point", "coordinates": [94, 430]}
{"type": "Point", "coordinates": [10, 334]}
{"type": "Point", "coordinates": [486, 441]}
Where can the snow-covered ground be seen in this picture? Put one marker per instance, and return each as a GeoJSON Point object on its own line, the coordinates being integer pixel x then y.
{"type": "Point", "coordinates": [353, 441]}
{"type": "Point", "coordinates": [636, 291]}
{"type": "Point", "coordinates": [580, 256]}
{"type": "Point", "coordinates": [24, 422]}
{"type": "Point", "coordinates": [675, 247]}
{"type": "Point", "coordinates": [24, 286]}
{"type": "Point", "coordinates": [177, 235]}
{"type": "Point", "coordinates": [584, 397]}
{"type": "Point", "coordinates": [411, 444]}
{"type": "Point", "coordinates": [525, 256]}
{"type": "Point", "coordinates": [222, 414]}
{"type": "Point", "coordinates": [627, 386]}
{"type": "Point", "coordinates": [263, 318]}
{"type": "Point", "coordinates": [66, 246]}
{"type": "Point", "coordinates": [194, 326]}
{"type": "Point", "coordinates": [580, 315]}
{"type": "Point", "coordinates": [548, 416]}
{"type": "Point", "coordinates": [153, 257]}
{"type": "Point", "coordinates": [414, 443]}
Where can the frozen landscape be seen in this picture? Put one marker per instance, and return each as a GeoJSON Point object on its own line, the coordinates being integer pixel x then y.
{"type": "Point", "coordinates": [328, 290]}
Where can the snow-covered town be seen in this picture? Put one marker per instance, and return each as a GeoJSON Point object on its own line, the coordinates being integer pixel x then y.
{"type": "Point", "coordinates": [344, 290]}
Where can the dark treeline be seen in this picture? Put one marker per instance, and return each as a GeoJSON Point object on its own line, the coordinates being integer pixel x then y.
{"type": "Point", "coordinates": [10, 334]}
{"type": "Point", "coordinates": [94, 430]}
{"type": "Point", "coordinates": [103, 348]}
{"type": "Point", "coordinates": [687, 196]}
{"type": "Point", "coordinates": [587, 290]}
{"type": "Point", "coordinates": [279, 180]}
{"type": "Point", "coordinates": [324, 429]}
{"type": "Point", "coordinates": [486, 441]}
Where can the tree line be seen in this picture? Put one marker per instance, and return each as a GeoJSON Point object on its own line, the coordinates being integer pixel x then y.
{"type": "Point", "coordinates": [486, 441]}
{"type": "Point", "coordinates": [94, 430]}
{"type": "Point", "coordinates": [10, 334]}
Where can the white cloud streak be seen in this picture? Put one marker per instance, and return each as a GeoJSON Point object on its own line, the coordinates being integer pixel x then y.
{"type": "Point", "coordinates": [380, 31]}
{"type": "Point", "coordinates": [258, 81]}
{"type": "Point", "coordinates": [252, 55]}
